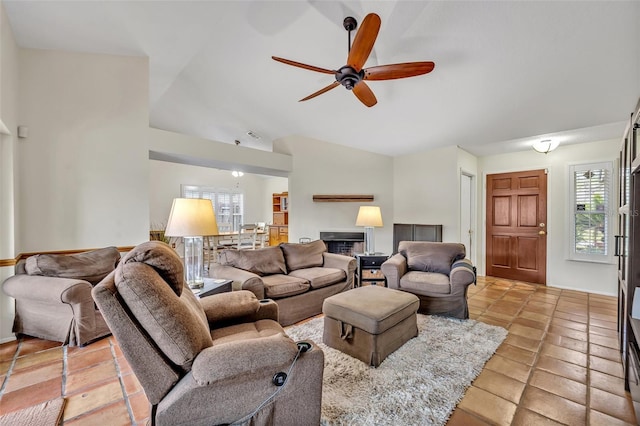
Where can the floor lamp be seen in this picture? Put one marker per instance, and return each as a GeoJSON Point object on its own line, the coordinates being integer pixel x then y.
{"type": "Point", "coordinates": [369, 217]}
{"type": "Point", "coordinates": [191, 218]}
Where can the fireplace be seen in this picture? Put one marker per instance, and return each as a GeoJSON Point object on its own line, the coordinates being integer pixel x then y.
{"type": "Point", "coordinates": [346, 243]}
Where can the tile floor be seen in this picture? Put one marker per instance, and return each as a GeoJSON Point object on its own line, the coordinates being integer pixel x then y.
{"type": "Point", "coordinates": [560, 364]}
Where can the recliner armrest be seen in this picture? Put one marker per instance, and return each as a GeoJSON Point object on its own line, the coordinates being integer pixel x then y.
{"type": "Point", "coordinates": [230, 306]}
{"type": "Point", "coordinates": [242, 357]}
{"type": "Point", "coordinates": [48, 289]}
{"type": "Point", "coordinates": [393, 269]}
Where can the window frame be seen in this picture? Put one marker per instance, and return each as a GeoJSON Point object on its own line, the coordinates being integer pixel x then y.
{"type": "Point", "coordinates": [233, 209]}
{"type": "Point", "coordinates": [610, 202]}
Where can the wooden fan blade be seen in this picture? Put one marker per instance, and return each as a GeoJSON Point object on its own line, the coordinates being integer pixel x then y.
{"type": "Point", "coordinates": [321, 91]}
{"type": "Point", "coordinates": [390, 72]}
{"type": "Point", "coordinates": [364, 93]}
{"type": "Point", "coordinates": [301, 65]}
{"type": "Point", "coordinates": [363, 43]}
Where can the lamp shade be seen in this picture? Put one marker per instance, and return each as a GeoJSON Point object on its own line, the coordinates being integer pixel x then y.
{"type": "Point", "coordinates": [191, 217]}
{"type": "Point", "coordinates": [369, 216]}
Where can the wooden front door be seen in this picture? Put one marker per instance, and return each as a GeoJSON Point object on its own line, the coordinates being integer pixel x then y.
{"type": "Point", "coordinates": [517, 226]}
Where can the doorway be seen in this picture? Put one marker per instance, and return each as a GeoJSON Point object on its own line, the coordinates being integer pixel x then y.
{"type": "Point", "coordinates": [467, 229]}
{"type": "Point", "coordinates": [517, 226]}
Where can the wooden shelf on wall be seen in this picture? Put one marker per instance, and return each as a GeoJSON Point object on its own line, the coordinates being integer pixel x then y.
{"type": "Point", "coordinates": [333, 198]}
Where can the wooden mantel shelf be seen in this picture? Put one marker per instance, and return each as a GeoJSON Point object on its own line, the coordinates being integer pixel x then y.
{"type": "Point", "coordinates": [333, 198]}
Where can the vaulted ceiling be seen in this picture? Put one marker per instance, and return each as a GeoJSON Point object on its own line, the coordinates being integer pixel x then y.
{"type": "Point", "coordinates": [507, 73]}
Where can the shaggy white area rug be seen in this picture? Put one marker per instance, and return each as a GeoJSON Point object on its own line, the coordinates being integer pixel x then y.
{"type": "Point", "coordinates": [419, 384]}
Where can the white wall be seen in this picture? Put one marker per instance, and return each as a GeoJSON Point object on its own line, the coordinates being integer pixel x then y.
{"type": "Point", "coordinates": [426, 190]}
{"type": "Point", "coordinates": [326, 168]}
{"type": "Point", "coordinates": [165, 179]}
{"type": "Point", "coordinates": [8, 141]}
{"type": "Point", "coordinates": [561, 272]}
{"type": "Point", "coordinates": [83, 170]}
{"type": "Point", "coordinates": [175, 147]}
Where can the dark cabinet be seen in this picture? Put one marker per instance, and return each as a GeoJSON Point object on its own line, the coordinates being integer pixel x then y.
{"type": "Point", "coordinates": [368, 269]}
{"type": "Point", "coordinates": [627, 250]}
{"type": "Point", "coordinates": [415, 232]}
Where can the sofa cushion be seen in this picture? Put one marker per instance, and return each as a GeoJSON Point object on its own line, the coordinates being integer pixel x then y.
{"type": "Point", "coordinates": [278, 286]}
{"type": "Point", "coordinates": [263, 261]}
{"type": "Point", "coordinates": [319, 277]}
{"type": "Point", "coordinates": [425, 282]}
{"type": "Point", "coordinates": [303, 255]}
{"type": "Point", "coordinates": [431, 257]}
{"type": "Point", "coordinates": [163, 259]}
{"type": "Point", "coordinates": [90, 266]}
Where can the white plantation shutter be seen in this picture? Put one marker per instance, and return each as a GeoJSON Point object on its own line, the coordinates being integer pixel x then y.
{"type": "Point", "coordinates": [591, 195]}
{"type": "Point", "coordinates": [227, 204]}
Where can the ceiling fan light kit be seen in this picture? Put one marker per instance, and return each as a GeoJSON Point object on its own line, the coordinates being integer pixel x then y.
{"type": "Point", "coordinates": [352, 76]}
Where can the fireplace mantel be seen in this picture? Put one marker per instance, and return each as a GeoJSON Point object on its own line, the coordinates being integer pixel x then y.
{"type": "Point", "coordinates": [334, 198]}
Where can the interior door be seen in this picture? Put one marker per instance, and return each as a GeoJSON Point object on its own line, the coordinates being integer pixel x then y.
{"type": "Point", "coordinates": [466, 203]}
{"type": "Point", "coordinates": [517, 226]}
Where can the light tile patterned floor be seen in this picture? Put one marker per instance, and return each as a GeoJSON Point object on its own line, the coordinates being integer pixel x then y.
{"type": "Point", "coordinates": [560, 364]}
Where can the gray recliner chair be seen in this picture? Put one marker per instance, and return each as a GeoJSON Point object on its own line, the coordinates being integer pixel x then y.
{"type": "Point", "coordinates": [437, 273]}
{"type": "Point", "coordinates": [217, 360]}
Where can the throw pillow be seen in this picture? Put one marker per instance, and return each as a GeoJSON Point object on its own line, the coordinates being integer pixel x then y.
{"type": "Point", "coordinates": [90, 266]}
{"type": "Point", "coordinates": [303, 255]}
{"type": "Point", "coordinates": [431, 257]}
{"type": "Point", "coordinates": [264, 261]}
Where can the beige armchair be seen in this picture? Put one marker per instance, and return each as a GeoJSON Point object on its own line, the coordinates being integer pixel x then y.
{"type": "Point", "coordinates": [216, 360]}
{"type": "Point", "coordinates": [52, 295]}
{"type": "Point", "coordinates": [437, 273]}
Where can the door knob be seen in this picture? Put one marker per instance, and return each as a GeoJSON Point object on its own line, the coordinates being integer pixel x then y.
{"type": "Point", "coordinates": [542, 233]}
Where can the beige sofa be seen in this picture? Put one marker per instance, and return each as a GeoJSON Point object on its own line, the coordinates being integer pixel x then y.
{"type": "Point", "coordinates": [52, 295]}
{"type": "Point", "coordinates": [298, 277]}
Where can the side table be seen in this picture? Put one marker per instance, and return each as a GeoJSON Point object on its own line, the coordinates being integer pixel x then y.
{"type": "Point", "coordinates": [368, 269]}
{"type": "Point", "coordinates": [213, 286]}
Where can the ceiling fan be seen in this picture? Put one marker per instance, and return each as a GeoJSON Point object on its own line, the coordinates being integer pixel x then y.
{"type": "Point", "coordinates": [352, 75]}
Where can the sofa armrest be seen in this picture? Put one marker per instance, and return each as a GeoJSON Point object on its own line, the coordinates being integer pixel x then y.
{"type": "Point", "coordinates": [462, 274]}
{"type": "Point", "coordinates": [248, 280]}
{"type": "Point", "coordinates": [48, 289]}
{"type": "Point", "coordinates": [340, 261]}
{"type": "Point", "coordinates": [393, 269]}
{"type": "Point", "coordinates": [242, 357]}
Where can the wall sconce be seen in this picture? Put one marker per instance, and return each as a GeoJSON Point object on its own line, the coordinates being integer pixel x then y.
{"type": "Point", "coordinates": [545, 146]}
{"type": "Point", "coordinates": [237, 173]}
{"type": "Point", "coordinates": [369, 216]}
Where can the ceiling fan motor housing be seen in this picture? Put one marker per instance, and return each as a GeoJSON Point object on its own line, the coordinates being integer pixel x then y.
{"type": "Point", "coordinates": [349, 77]}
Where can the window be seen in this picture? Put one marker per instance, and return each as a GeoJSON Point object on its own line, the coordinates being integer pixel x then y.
{"type": "Point", "coordinates": [227, 204]}
{"type": "Point", "coordinates": [591, 193]}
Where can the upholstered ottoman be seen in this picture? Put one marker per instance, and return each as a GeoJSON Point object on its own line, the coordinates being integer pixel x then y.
{"type": "Point", "coordinates": [369, 323]}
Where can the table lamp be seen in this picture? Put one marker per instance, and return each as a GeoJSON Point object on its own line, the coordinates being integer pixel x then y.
{"type": "Point", "coordinates": [192, 218]}
{"type": "Point", "coordinates": [369, 216]}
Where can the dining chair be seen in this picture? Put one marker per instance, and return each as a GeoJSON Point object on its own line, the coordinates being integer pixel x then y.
{"type": "Point", "coordinates": [247, 236]}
